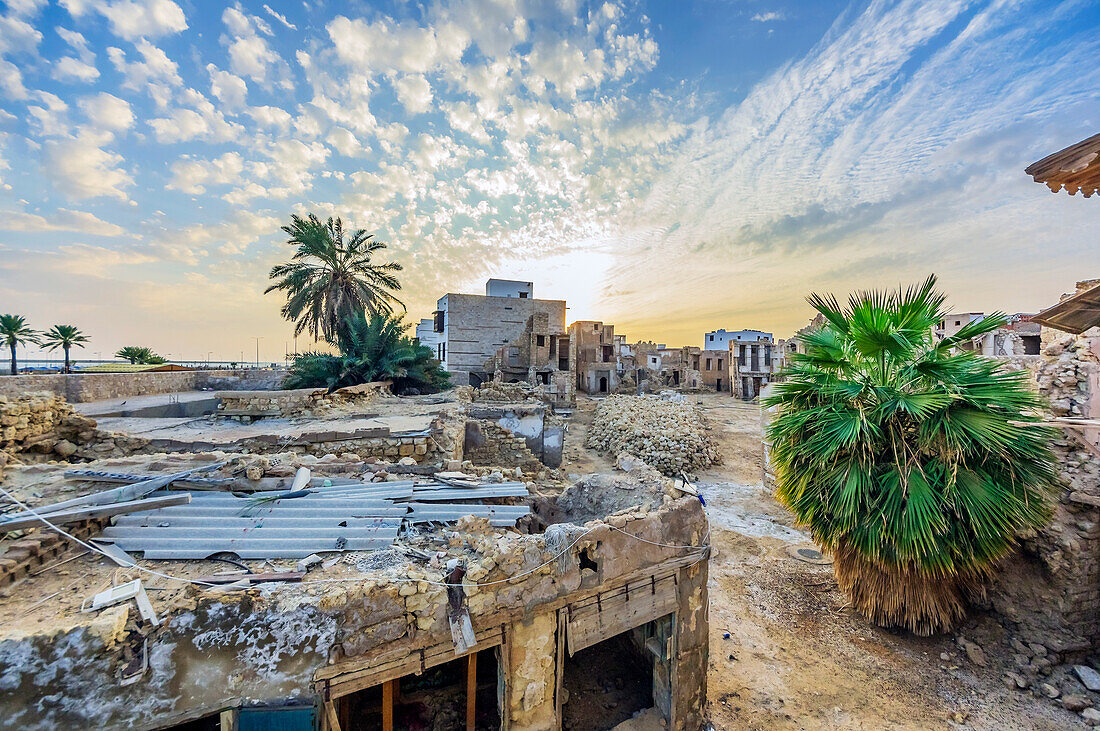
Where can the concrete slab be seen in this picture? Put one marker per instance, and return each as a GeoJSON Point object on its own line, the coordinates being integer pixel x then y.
{"type": "Point", "coordinates": [179, 404]}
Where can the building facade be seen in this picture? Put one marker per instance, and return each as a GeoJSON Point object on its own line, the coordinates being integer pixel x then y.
{"type": "Point", "coordinates": [721, 339]}
{"type": "Point", "coordinates": [596, 353]}
{"type": "Point", "coordinates": [751, 366]}
{"type": "Point", "coordinates": [470, 328]}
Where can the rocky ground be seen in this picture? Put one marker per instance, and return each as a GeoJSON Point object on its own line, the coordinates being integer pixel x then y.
{"type": "Point", "coordinates": [786, 653]}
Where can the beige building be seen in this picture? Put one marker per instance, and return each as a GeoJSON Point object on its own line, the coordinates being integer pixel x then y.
{"type": "Point", "coordinates": [596, 354]}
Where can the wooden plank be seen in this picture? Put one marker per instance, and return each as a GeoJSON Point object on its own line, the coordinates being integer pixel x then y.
{"type": "Point", "coordinates": [407, 662]}
{"type": "Point", "coordinates": [493, 621]}
{"type": "Point", "coordinates": [559, 664]}
{"type": "Point", "coordinates": [387, 706]}
{"type": "Point", "coordinates": [471, 690]}
{"type": "Point", "coordinates": [253, 578]}
{"type": "Point", "coordinates": [332, 719]}
{"type": "Point", "coordinates": [616, 612]}
{"type": "Point", "coordinates": [74, 515]}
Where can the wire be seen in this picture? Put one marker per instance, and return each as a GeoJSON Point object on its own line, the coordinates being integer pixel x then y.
{"type": "Point", "coordinates": [703, 548]}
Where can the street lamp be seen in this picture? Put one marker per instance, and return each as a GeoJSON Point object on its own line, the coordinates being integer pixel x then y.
{"type": "Point", "coordinates": [257, 339]}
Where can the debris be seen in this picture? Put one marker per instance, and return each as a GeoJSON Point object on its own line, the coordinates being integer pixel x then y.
{"type": "Point", "coordinates": [91, 511]}
{"type": "Point", "coordinates": [305, 564]}
{"type": "Point", "coordinates": [1091, 716]}
{"type": "Point", "coordinates": [301, 479]}
{"type": "Point", "coordinates": [1075, 702]}
{"type": "Point", "coordinates": [123, 592]}
{"type": "Point", "coordinates": [1089, 677]}
{"type": "Point", "coordinates": [235, 577]}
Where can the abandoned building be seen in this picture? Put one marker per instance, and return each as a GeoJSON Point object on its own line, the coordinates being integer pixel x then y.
{"type": "Point", "coordinates": [721, 339]}
{"type": "Point", "coordinates": [751, 366]}
{"type": "Point", "coordinates": [714, 369]}
{"type": "Point", "coordinates": [471, 328]}
{"type": "Point", "coordinates": [441, 596]}
{"type": "Point", "coordinates": [596, 353]}
{"type": "Point", "coordinates": [537, 357]}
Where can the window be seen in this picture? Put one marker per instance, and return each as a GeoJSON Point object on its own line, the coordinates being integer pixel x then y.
{"type": "Point", "coordinates": [596, 328]}
{"type": "Point", "coordinates": [742, 359]}
{"type": "Point", "coordinates": [719, 364]}
{"type": "Point", "coordinates": [958, 322]}
{"type": "Point", "coordinates": [540, 340]}
{"type": "Point", "coordinates": [444, 352]}
{"type": "Point", "coordinates": [767, 355]}
{"type": "Point", "coordinates": [712, 338]}
{"type": "Point", "coordinates": [522, 296]}
{"type": "Point", "coordinates": [439, 322]}
{"type": "Point", "coordinates": [708, 364]}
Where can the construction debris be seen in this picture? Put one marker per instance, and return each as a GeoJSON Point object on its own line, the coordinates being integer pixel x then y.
{"type": "Point", "coordinates": [667, 435]}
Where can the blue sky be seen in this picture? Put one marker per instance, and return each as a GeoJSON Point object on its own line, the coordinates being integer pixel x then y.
{"type": "Point", "coordinates": [669, 167]}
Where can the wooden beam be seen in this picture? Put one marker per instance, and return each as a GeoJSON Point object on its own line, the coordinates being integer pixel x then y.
{"type": "Point", "coordinates": [332, 718]}
{"type": "Point", "coordinates": [471, 690]}
{"type": "Point", "coordinates": [387, 706]}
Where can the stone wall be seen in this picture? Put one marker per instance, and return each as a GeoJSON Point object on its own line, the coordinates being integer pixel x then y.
{"type": "Point", "coordinates": [83, 387]}
{"type": "Point", "coordinates": [1051, 590]}
{"type": "Point", "coordinates": [43, 423]}
{"type": "Point", "coordinates": [490, 444]}
{"type": "Point", "coordinates": [268, 403]}
{"type": "Point", "coordinates": [301, 641]}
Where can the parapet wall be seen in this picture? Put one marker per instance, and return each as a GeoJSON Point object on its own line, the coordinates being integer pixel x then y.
{"type": "Point", "coordinates": [83, 387]}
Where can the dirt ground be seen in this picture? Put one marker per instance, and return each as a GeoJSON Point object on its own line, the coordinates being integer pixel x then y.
{"type": "Point", "coordinates": [796, 657]}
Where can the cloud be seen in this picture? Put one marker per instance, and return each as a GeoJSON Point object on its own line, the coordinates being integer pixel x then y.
{"type": "Point", "coordinates": [767, 17]}
{"type": "Point", "coordinates": [281, 18]}
{"type": "Point", "coordinates": [80, 168]}
{"type": "Point", "coordinates": [108, 112]}
{"type": "Point", "coordinates": [415, 93]}
{"type": "Point", "coordinates": [60, 220]}
{"type": "Point", "coordinates": [155, 72]}
{"type": "Point", "coordinates": [68, 68]}
{"type": "Point", "coordinates": [229, 89]}
{"type": "Point", "coordinates": [191, 176]}
{"type": "Point", "coordinates": [133, 19]}
{"type": "Point", "coordinates": [202, 121]}
{"type": "Point", "coordinates": [249, 54]}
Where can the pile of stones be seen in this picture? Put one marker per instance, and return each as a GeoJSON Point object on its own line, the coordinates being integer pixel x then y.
{"type": "Point", "coordinates": [667, 435]}
{"type": "Point", "coordinates": [44, 423]}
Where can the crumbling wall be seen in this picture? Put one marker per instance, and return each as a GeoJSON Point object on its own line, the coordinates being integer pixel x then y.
{"type": "Point", "coordinates": [84, 387]}
{"type": "Point", "coordinates": [216, 650]}
{"type": "Point", "coordinates": [249, 404]}
{"type": "Point", "coordinates": [1051, 591]}
{"type": "Point", "coordinates": [44, 423]}
{"type": "Point", "coordinates": [668, 435]}
{"type": "Point", "coordinates": [488, 443]}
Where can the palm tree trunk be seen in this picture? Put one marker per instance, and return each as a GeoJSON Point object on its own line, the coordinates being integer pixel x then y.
{"type": "Point", "coordinates": [67, 368]}
{"type": "Point", "coordinates": [14, 370]}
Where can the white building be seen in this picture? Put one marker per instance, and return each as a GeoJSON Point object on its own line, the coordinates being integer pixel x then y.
{"type": "Point", "coordinates": [426, 334]}
{"type": "Point", "coordinates": [721, 339]}
{"type": "Point", "coordinates": [509, 288]}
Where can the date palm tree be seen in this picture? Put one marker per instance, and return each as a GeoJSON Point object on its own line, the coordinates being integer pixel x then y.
{"type": "Point", "coordinates": [330, 278]}
{"type": "Point", "coordinates": [909, 459]}
{"type": "Point", "coordinates": [139, 354]}
{"type": "Point", "coordinates": [65, 337]}
{"type": "Point", "coordinates": [14, 331]}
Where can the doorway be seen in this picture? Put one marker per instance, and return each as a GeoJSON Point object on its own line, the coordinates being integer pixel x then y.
{"type": "Point", "coordinates": [607, 683]}
{"type": "Point", "coordinates": [603, 384]}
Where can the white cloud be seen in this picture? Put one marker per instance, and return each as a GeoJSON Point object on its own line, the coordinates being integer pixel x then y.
{"type": "Point", "coordinates": [108, 112]}
{"type": "Point", "coordinates": [384, 46]}
{"type": "Point", "coordinates": [60, 220]}
{"type": "Point", "coordinates": [344, 142]}
{"type": "Point", "coordinates": [51, 119]}
{"type": "Point", "coordinates": [281, 18]}
{"type": "Point", "coordinates": [78, 43]}
{"type": "Point", "coordinates": [191, 176]}
{"type": "Point", "coordinates": [414, 92]}
{"type": "Point", "coordinates": [767, 17]}
{"type": "Point", "coordinates": [133, 19]}
{"type": "Point", "coordinates": [271, 117]}
{"type": "Point", "coordinates": [249, 54]}
{"type": "Point", "coordinates": [155, 73]}
{"type": "Point", "coordinates": [11, 81]}
{"type": "Point", "coordinates": [202, 122]}
{"type": "Point", "coordinates": [229, 89]}
{"type": "Point", "coordinates": [17, 35]}
{"type": "Point", "coordinates": [79, 167]}
{"type": "Point", "coordinates": [68, 68]}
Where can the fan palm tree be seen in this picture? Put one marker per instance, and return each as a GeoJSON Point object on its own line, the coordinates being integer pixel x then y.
{"type": "Point", "coordinates": [139, 354]}
{"type": "Point", "coordinates": [372, 348]}
{"type": "Point", "coordinates": [14, 331]}
{"type": "Point", "coordinates": [909, 459]}
{"type": "Point", "coordinates": [331, 278]}
{"type": "Point", "coordinates": [65, 337]}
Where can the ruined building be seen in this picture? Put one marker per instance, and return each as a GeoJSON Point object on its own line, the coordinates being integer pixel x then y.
{"type": "Point", "coordinates": [537, 357]}
{"type": "Point", "coordinates": [596, 353]}
{"type": "Point", "coordinates": [751, 366]}
{"type": "Point", "coordinates": [470, 328]}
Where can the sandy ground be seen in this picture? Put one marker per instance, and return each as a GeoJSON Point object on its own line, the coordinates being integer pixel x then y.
{"type": "Point", "coordinates": [796, 657]}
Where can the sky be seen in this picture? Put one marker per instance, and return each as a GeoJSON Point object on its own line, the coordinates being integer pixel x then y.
{"type": "Point", "coordinates": [668, 167]}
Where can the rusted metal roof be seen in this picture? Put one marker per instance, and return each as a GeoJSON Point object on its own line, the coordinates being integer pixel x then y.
{"type": "Point", "coordinates": [1076, 168]}
{"type": "Point", "coordinates": [1074, 314]}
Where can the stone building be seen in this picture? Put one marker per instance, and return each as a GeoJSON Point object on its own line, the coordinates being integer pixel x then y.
{"type": "Point", "coordinates": [714, 369]}
{"type": "Point", "coordinates": [1051, 590]}
{"type": "Point", "coordinates": [596, 353]}
{"type": "Point", "coordinates": [751, 366]}
{"type": "Point", "coordinates": [471, 328]}
{"type": "Point", "coordinates": [537, 357]}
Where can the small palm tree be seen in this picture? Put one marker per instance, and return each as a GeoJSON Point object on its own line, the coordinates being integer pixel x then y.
{"type": "Point", "coordinates": [14, 331]}
{"type": "Point", "coordinates": [906, 459]}
{"type": "Point", "coordinates": [372, 348]}
{"type": "Point", "coordinates": [139, 354]}
{"type": "Point", "coordinates": [330, 279]}
{"type": "Point", "coordinates": [65, 337]}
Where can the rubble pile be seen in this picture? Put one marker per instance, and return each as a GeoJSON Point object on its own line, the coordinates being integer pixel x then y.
{"type": "Point", "coordinates": [1064, 375]}
{"type": "Point", "coordinates": [634, 486]}
{"type": "Point", "coordinates": [667, 435]}
{"type": "Point", "coordinates": [44, 423]}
